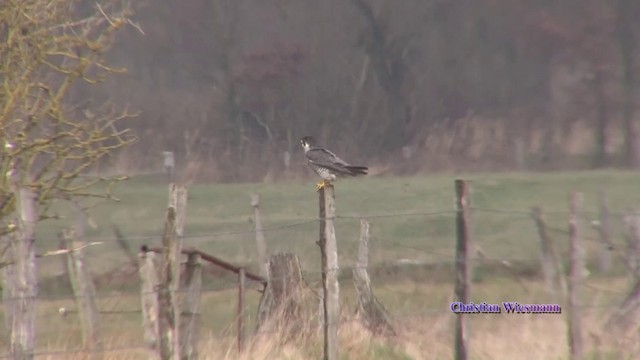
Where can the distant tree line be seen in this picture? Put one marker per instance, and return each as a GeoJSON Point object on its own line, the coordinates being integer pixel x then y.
{"type": "Point", "coordinates": [234, 83]}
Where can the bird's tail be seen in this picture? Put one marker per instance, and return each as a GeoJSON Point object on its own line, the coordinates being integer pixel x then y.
{"type": "Point", "coordinates": [358, 170]}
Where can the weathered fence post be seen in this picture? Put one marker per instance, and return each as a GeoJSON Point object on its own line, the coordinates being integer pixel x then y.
{"type": "Point", "coordinates": [8, 280]}
{"type": "Point", "coordinates": [24, 318]}
{"type": "Point", "coordinates": [149, 296]}
{"type": "Point", "coordinates": [576, 274]}
{"type": "Point", "coordinates": [551, 267]}
{"type": "Point", "coordinates": [241, 288]}
{"type": "Point", "coordinates": [82, 285]}
{"type": "Point", "coordinates": [463, 267]}
{"type": "Point", "coordinates": [168, 308]}
{"type": "Point", "coordinates": [260, 241]}
{"type": "Point", "coordinates": [329, 251]}
{"type": "Point", "coordinates": [190, 316]}
{"type": "Point", "coordinates": [371, 312]}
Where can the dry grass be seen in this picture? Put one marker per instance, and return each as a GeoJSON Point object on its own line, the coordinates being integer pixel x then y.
{"type": "Point", "coordinates": [420, 312]}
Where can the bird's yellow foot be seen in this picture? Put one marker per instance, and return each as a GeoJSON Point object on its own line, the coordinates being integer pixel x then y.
{"type": "Point", "coordinates": [321, 185]}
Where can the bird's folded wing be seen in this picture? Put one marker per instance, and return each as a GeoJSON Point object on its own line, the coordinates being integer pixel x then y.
{"type": "Point", "coordinates": [325, 158]}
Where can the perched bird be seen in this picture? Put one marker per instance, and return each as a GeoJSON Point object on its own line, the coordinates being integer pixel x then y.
{"type": "Point", "coordinates": [326, 164]}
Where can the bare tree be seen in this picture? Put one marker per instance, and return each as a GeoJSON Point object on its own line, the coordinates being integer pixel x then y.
{"type": "Point", "coordinates": [47, 49]}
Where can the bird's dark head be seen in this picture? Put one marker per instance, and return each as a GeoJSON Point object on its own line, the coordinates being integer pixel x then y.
{"type": "Point", "coordinates": [308, 142]}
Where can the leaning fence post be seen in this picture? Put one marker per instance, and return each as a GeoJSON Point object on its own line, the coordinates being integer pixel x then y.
{"type": "Point", "coordinates": [241, 288]}
{"type": "Point", "coordinates": [371, 312]}
{"type": "Point", "coordinates": [24, 318]}
{"type": "Point", "coordinates": [463, 267]}
{"type": "Point", "coordinates": [551, 268]}
{"type": "Point", "coordinates": [576, 270]}
{"type": "Point", "coordinates": [329, 252]}
{"type": "Point", "coordinates": [190, 316]}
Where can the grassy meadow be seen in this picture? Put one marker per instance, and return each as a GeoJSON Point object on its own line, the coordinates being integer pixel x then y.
{"type": "Point", "coordinates": [412, 222]}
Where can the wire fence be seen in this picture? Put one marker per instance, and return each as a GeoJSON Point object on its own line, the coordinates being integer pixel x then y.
{"type": "Point", "coordinates": [412, 263]}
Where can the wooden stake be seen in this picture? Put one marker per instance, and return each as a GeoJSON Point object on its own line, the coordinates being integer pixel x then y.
{"type": "Point", "coordinates": [576, 269]}
{"type": "Point", "coordinates": [241, 289]}
{"type": "Point", "coordinates": [463, 268]}
{"type": "Point", "coordinates": [331, 289]}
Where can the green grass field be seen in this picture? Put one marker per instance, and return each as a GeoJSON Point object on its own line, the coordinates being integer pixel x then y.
{"type": "Point", "coordinates": [218, 216]}
{"type": "Point", "coordinates": [412, 219]}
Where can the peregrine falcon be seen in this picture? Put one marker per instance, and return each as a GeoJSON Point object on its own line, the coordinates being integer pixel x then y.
{"type": "Point", "coordinates": [327, 164]}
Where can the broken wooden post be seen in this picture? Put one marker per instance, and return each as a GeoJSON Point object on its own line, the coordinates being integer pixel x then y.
{"type": "Point", "coordinates": [149, 296]}
{"type": "Point", "coordinates": [241, 288]}
{"type": "Point", "coordinates": [260, 241]}
{"type": "Point", "coordinates": [82, 285]}
{"type": "Point", "coordinates": [170, 273]}
{"type": "Point", "coordinates": [331, 289]}
{"type": "Point", "coordinates": [551, 267]}
{"type": "Point", "coordinates": [371, 312]}
{"type": "Point", "coordinates": [576, 274]}
{"type": "Point", "coordinates": [190, 316]}
{"type": "Point", "coordinates": [463, 268]}
{"type": "Point", "coordinates": [283, 310]}
{"type": "Point", "coordinates": [22, 340]}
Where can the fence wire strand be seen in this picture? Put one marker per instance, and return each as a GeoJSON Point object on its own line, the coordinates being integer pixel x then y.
{"type": "Point", "coordinates": [114, 304]}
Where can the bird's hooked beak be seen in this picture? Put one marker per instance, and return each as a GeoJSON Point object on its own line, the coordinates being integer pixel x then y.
{"type": "Point", "coordinates": [305, 145]}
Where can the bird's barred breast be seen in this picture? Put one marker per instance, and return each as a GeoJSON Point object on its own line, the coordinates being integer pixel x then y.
{"type": "Point", "coordinates": [323, 172]}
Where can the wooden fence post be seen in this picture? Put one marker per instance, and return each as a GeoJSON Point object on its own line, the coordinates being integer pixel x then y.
{"type": "Point", "coordinates": [83, 287]}
{"type": "Point", "coordinates": [331, 289]}
{"type": "Point", "coordinates": [371, 312]}
{"type": "Point", "coordinates": [24, 318]}
{"type": "Point", "coordinates": [190, 316]}
{"type": "Point", "coordinates": [551, 267]}
{"type": "Point", "coordinates": [576, 270]}
{"type": "Point", "coordinates": [149, 296]}
{"type": "Point", "coordinates": [260, 241]}
{"type": "Point", "coordinates": [8, 281]}
{"type": "Point", "coordinates": [463, 268]}
{"type": "Point", "coordinates": [241, 288]}
{"type": "Point", "coordinates": [170, 273]}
